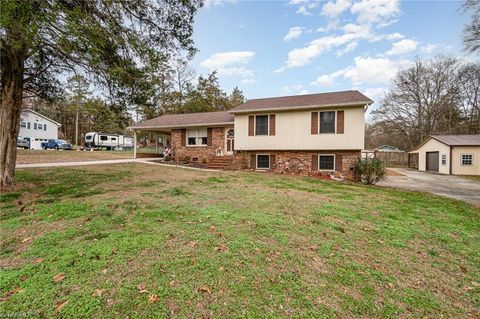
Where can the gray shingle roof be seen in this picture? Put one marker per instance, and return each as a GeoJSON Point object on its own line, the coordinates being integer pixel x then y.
{"type": "Point", "coordinates": [342, 98]}
{"type": "Point", "coordinates": [187, 119]}
{"type": "Point", "coordinates": [458, 140]}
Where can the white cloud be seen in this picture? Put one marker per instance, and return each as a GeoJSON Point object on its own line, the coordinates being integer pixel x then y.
{"type": "Point", "coordinates": [402, 47]}
{"type": "Point", "coordinates": [295, 89]}
{"type": "Point", "coordinates": [368, 70]}
{"type": "Point", "coordinates": [333, 9]}
{"type": "Point", "coordinates": [248, 81]}
{"type": "Point", "coordinates": [212, 3]}
{"type": "Point", "coordinates": [230, 63]}
{"type": "Point", "coordinates": [304, 6]}
{"type": "Point", "coordinates": [348, 48]}
{"type": "Point", "coordinates": [293, 33]}
{"type": "Point", "coordinates": [365, 71]}
{"type": "Point", "coordinates": [378, 12]}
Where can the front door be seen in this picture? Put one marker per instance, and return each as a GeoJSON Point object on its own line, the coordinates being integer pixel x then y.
{"type": "Point", "coordinates": [230, 147]}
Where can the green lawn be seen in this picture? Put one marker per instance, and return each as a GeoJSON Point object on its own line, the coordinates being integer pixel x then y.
{"type": "Point", "coordinates": [144, 241]}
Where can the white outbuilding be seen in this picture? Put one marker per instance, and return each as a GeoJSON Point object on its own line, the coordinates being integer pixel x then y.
{"type": "Point", "coordinates": [37, 128]}
{"type": "Point", "coordinates": [450, 154]}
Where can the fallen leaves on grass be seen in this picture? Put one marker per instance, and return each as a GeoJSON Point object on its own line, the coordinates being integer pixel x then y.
{"type": "Point", "coordinates": [38, 260]}
{"type": "Point", "coordinates": [221, 247]}
{"type": "Point", "coordinates": [10, 293]}
{"type": "Point", "coordinates": [60, 305]}
{"type": "Point", "coordinates": [191, 243]}
{"type": "Point", "coordinates": [27, 240]}
{"type": "Point", "coordinates": [213, 227]}
{"type": "Point", "coordinates": [99, 292]}
{"type": "Point", "coordinates": [205, 290]}
{"type": "Point", "coordinates": [142, 288]}
{"type": "Point", "coordinates": [153, 298]}
{"type": "Point", "coordinates": [58, 277]}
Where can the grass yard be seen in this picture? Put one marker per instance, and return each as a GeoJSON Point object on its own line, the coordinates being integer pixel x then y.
{"type": "Point", "coordinates": [144, 241]}
{"type": "Point", "coordinates": [49, 156]}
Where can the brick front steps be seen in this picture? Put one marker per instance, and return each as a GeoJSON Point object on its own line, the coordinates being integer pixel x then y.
{"type": "Point", "coordinates": [220, 162]}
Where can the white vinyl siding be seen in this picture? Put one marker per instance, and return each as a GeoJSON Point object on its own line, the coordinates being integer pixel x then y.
{"type": "Point", "coordinates": [293, 132]}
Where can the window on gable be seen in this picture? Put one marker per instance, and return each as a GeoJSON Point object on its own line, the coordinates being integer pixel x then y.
{"type": "Point", "coordinates": [261, 125]}
{"type": "Point", "coordinates": [197, 137]}
{"type": "Point", "coordinates": [263, 161]}
{"type": "Point", "coordinates": [326, 162]}
{"type": "Point", "coordinates": [466, 160]}
{"type": "Point", "coordinates": [45, 127]}
{"type": "Point", "coordinates": [327, 122]}
{"type": "Point", "coordinates": [444, 159]}
{"type": "Point", "coordinates": [23, 124]}
{"type": "Point", "coordinates": [34, 126]}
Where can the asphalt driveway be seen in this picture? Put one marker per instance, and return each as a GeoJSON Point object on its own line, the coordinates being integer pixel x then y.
{"type": "Point", "coordinates": [444, 185]}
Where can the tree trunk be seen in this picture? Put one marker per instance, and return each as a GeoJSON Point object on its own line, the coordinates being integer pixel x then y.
{"type": "Point", "coordinates": [12, 64]}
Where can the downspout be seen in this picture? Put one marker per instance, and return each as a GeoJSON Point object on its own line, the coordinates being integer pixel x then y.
{"type": "Point", "coordinates": [450, 166]}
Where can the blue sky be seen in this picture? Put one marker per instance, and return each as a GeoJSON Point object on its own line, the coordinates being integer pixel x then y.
{"type": "Point", "coordinates": [273, 48]}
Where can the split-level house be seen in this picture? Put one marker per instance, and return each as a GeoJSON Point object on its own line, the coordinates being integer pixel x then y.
{"type": "Point", "coordinates": [307, 134]}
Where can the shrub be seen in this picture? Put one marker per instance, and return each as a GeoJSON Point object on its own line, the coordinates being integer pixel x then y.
{"type": "Point", "coordinates": [370, 170]}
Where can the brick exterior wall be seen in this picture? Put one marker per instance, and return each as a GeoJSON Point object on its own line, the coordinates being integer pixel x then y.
{"type": "Point", "coordinates": [300, 162]}
{"type": "Point", "coordinates": [202, 153]}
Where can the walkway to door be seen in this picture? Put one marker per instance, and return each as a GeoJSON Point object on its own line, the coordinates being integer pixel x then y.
{"type": "Point", "coordinates": [444, 185]}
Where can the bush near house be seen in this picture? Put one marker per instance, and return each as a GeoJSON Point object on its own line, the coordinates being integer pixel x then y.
{"type": "Point", "coordinates": [370, 170]}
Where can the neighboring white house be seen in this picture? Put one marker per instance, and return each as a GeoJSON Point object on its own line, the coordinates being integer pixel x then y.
{"type": "Point", "coordinates": [450, 154]}
{"type": "Point", "coordinates": [37, 128]}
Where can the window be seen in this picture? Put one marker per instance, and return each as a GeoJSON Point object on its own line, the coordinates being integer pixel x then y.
{"type": "Point", "coordinates": [34, 126]}
{"type": "Point", "coordinates": [466, 160]}
{"type": "Point", "coordinates": [28, 125]}
{"type": "Point", "coordinates": [444, 159]}
{"type": "Point", "coordinates": [261, 125]}
{"type": "Point", "coordinates": [45, 127]}
{"type": "Point", "coordinates": [103, 137]}
{"type": "Point", "coordinates": [197, 137]}
{"type": "Point", "coordinates": [114, 138]}
{"type": "Point", "coordinates": [23, 124]}
{"type": "Point", "coordinates": [263, 161]}
{"type": "Point", "coordinates": [327, 122]}
{"type": "Point", "coordinates": [326, 162]}
{"type": "Point", "coordinates": [39, 126]}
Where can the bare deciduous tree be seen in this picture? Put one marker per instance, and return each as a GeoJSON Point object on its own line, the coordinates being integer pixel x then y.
{"type": "Point", "coordinates": [471, 33]}
{"type": "Point", "coordinates": [424, 100]}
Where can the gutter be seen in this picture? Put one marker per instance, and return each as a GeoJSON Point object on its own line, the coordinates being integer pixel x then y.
{"type": "Point", "coordinates": [177, 126]}
{"type": "Point", "coordinates": [304, 107]}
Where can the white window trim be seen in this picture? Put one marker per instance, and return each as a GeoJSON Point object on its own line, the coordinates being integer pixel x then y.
{"type": "Point", "coordinates": [255, 124]}
{"type": "Point", "coordinates": [334, 121]}
{"type": "Point", "coordinates": [326, 170]}
{"type": "Point", "coordinates": [441, 159]}
{"type": "Point", "coordinates": [24, 124]}
{"type": "Point", "coordinates": [461, 160]}
{"type": "Point", "coordinates": [256, 162]}
{"type": "Point", "coordinates": [196, 137]}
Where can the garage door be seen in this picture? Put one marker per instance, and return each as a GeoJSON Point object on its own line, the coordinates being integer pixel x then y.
{"type": "Point", "coordinates": [432, 161]}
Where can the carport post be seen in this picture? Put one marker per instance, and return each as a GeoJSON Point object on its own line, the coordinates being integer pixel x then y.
{"type": "Point", "coordinates": [134, 144]}
{"type": "Point", "coordinates": [156, 143]}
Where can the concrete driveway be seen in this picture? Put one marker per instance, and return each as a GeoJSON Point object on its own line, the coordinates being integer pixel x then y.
{"type": "Point", "coordinates": [444, 185]}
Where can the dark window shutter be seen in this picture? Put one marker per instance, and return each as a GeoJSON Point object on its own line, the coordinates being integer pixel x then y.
{"type": "Point", "coordinates": [253, 161]}
{"type": "Point", "coordinates": [209, 136]}
{"type": "Point", "coordinates": [272, 161]}
{"type": "Point", "coordinates": [314, 162]}
{"type": "Point", "coordinates": [184, 137]}
{"type": "Point", "coordinates": [251, 125]}
{"type": "Point", "coordinates": [340, 122]}
{"type": "Point", "coordinates": [338, 162]}
{"type": "Point", "coordinates": [272, 124]}
{"type": "Point", "coordinates": [314, 128]}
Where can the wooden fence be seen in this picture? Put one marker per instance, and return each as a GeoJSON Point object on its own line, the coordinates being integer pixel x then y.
{"type": "Point", "coordinates": [397, 158]}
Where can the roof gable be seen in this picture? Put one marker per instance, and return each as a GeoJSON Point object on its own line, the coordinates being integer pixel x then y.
{"type": "Point", "coordinates": [42, 116]}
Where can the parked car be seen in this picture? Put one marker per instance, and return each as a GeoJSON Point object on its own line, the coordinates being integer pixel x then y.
{"type": "Point", "coordinates": [23, 143]}
{"type": "Point", "coordinates": [57, 145]}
